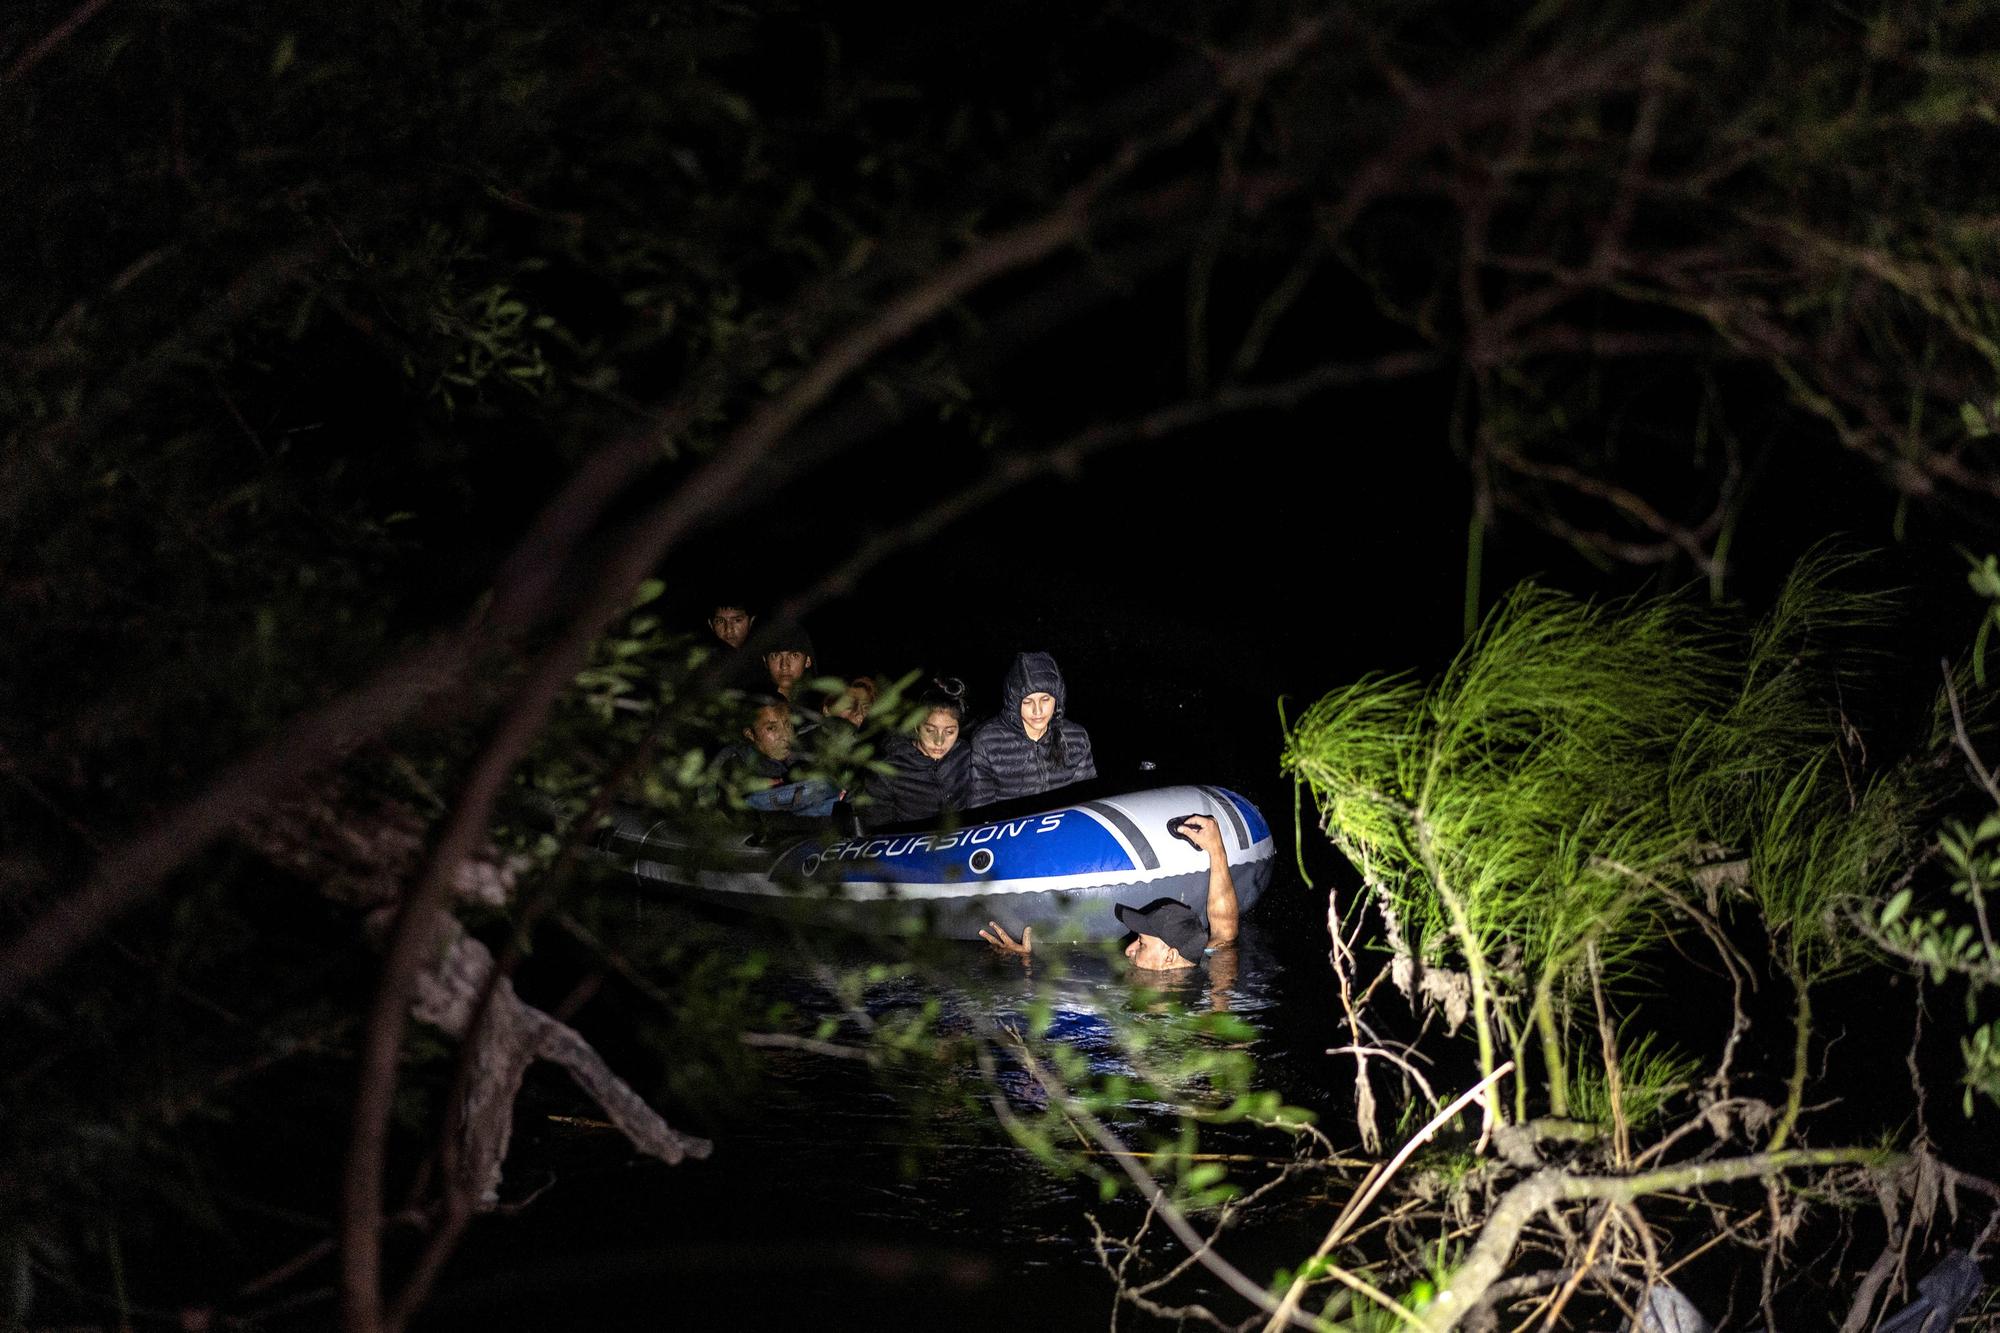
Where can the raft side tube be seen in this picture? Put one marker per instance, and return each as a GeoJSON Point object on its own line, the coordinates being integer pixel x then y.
{"type": "Point", "coordinates": [1060, 870]}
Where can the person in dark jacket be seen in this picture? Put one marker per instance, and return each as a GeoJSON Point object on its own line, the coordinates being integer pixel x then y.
{"type": "Point", "coordinates": [768, 771]}
{"type": "Point", "coordinates": [851, 703]}
{"type": "Point", "coordinates": [764, 757]}
{"type": "Point", "coordinates": [1031, 747]}
{"type": "Point", "coordinates": [930, 771]}
{"type": "Point", "coordinates": [731, 623]}
{"type": "Point", "coordinates": [788, 656]}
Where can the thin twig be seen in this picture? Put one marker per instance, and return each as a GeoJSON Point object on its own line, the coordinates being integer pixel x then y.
{"type": "Point", "coordinates": [1607, 1036]}
{"type": "Point", "coordinates": [1964, 739]}
{"type": "Point", "coordinates": [54, 38]}
{"type": "Point", "coordinates": [1568, 1288]}
{"type": "Point", "coordinates": [787, 1041]}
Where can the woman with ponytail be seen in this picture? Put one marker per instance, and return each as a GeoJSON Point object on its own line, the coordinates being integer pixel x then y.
{"type": "Point", "coordinates": [929, 770]}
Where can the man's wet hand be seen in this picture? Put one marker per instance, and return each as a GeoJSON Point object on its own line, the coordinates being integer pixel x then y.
{"type": "Point", "coordinates": [1203, 833]}
{"type": "Point", "coordinates": [996, 935]}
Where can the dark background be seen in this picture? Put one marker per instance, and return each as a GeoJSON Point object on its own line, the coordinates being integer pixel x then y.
{"type": "Point", "coordinates": [1189, 587]}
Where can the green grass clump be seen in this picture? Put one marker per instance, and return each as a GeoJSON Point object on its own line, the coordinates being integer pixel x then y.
{"type": "Point", "coordinates": [1647, 1076]}
{"type": "Point", "coordinates": [1582, 775]}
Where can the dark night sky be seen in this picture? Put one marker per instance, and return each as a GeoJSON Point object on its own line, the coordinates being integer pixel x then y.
{"type": "Point", "coordinates": [1183, 585]}
{"type": "Point", "coordinates": [1186, 585]}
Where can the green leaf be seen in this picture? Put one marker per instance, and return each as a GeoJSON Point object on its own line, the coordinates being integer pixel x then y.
{"type": "Point", "coordinates": [1040, 1014]}
{"type": "Point", "coordinates": [1897, 906]}
{"type": "Point", "coordinates": [1228, 1027]}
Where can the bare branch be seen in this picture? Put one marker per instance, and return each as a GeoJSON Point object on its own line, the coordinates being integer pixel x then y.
{"type": "Point", "coordinates": [51, 40]}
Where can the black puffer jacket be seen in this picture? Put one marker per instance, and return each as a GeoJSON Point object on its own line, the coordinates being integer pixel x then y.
{"type": "Point", "coordinates": [1005, 763]}
{"type": "Point", "coordinates": [918, 787]}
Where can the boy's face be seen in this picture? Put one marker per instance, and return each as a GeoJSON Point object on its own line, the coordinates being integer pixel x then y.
{"type": "Point", "coordinates": [771, 732]}
{"type": "Point", "coordinates": [731, 624]}
{"type": "Point", "coordinates": [786, 668]}
{"type": "Point", "coordinates": [852, 705]}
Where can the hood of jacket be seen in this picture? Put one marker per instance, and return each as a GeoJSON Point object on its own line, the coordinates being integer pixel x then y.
{"type": "Point", "coordinates": [1032, 673]}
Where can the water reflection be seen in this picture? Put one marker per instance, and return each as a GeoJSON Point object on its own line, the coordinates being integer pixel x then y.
{"type": "Point", "coordinates": [957, 1174]}
{"type": "Point", "coordinates": [896, 1192]}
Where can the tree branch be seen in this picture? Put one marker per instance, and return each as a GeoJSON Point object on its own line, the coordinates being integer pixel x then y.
{"type": "Point", "coordinates": [1489, 1254]}
{"type": "Point", "coordinates": [53, 39]}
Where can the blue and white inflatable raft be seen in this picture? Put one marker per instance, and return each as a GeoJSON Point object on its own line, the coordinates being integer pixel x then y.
{"type": "Point", "coordinates": [1060, 870]}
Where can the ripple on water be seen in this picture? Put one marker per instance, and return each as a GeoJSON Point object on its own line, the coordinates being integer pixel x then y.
{"type": "Point", "coordinates": [893, 1191]}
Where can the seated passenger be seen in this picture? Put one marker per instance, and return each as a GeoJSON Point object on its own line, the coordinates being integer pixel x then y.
{"type": "Point", "coordinates": [928, 770]}
{"type": "Point", "coordinates": [1030, 747]}
{"type": "Point", "coordinates": [851, 705]}
{"type": "Point", "coordinates": [788, 655]}
{"type": "Point", "coordinates": [764, 756]}
{"type": "Point", "coordinates": [768, 771]}
{"type": "Point", "coordinates": [731, 623]}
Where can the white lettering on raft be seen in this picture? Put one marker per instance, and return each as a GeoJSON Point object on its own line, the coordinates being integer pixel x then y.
{"type": "Point", "coordinates": [872, 849]}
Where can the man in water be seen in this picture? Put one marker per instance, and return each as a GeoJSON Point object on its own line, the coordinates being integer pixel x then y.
{"type": "Point", "coordinates": [1169, 936]}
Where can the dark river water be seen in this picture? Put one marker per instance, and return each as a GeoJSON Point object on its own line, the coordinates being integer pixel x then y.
{"type": "Point", "coordinates": [841, 1195]}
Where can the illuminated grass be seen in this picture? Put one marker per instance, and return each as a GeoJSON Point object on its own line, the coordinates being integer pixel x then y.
{"type": "Point", "coordinates": [1647, 1076]}
{"type": "Point", "coordinates": [1561, 788]}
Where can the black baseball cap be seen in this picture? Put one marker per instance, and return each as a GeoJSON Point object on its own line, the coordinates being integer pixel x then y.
{"type": "Point", "coordinates": [1168, 919]}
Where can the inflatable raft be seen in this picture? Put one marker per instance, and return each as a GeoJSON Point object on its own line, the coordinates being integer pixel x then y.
{"type": "Point", "coordinates": [1059, 869]}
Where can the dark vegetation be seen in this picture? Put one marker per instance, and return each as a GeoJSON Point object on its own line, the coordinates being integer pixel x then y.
{"type": "Point", "coordinates": [363, 366]}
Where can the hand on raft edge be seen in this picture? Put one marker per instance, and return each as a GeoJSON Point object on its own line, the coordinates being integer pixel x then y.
{"type": "Point", "coordinates": [1203, 832]}
{"type": "Point", "coordinates": [996, 935]}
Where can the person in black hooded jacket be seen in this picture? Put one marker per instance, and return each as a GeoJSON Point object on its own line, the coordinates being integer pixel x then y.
{"type": "Point", "coordinates": [1031, 747]}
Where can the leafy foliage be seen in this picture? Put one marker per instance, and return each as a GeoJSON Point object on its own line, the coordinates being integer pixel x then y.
{"type": "Point", "coordinates": [1582, 776]}
{"type": "Point", "coordinates": [1648, 1075]}
{"type": "Point", "coordinates": [1953, 941]}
